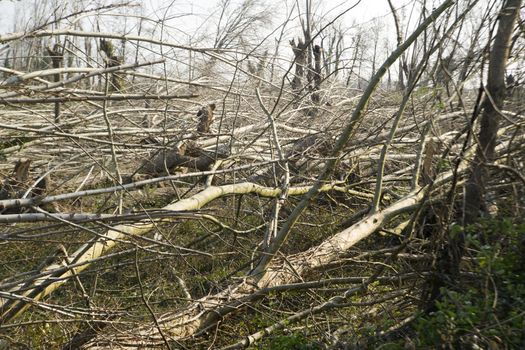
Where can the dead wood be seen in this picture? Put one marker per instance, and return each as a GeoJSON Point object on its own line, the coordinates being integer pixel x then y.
{"type": "Point", "coordinates": [299, 51]}
{"type": "Point", "coordinates": [204, 267]}
{"type": "Point", "coordinates": [303, 156]}
{"type": "Point", "coordinates": [317, 74]}
{"type": "Point", "coordinates": [57, 56]}
{"type": "Point", "coordinates": [56, 275]}
{"type": "Point", "coordinates": [19, 182]}
{"type": "Point", "coordinates": [112, 60]}
{"type": "Point", "coordinates": [207, 311]}
{"type": "Point", "coordinates": [205, 115]}
{"type": "Point", "coordinates": [183, 155]}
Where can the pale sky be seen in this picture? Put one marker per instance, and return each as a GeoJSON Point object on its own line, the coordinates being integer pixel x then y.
{"type": "Point", "coordinates": [363, 12]}
{"type": "Point", "coordinates": [192, 27]}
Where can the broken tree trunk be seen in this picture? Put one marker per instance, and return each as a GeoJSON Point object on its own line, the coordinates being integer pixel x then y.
{"type": "Point", "coordinates": [57, 56]}
{"type": "Point", "coordinates": [19, 183]}
{"type": "Point", "coordinates": [112, 60]}
{"type": "Point", "coordinates": [316, 98]}
{"type": "Point", "coordinates": [299, 52]}
{"type": "Point", "coordinates": [205, 115]}
{"type": "Point", "coordinates": [14, 185]}
{"type": "Point", "coordinates": [207, 311]}
{"type": "Point", "coordinates": [185, 153]}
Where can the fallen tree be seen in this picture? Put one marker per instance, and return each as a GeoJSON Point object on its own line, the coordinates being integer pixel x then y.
{"type": "Point", "coordinates": [271, 204]}
{"type": "Point", "coordinates": [206, 312]}
{"type": "Point", "coordinates": [53, 276]}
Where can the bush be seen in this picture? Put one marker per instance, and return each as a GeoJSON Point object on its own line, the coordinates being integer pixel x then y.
{"type": "Point", "coordinates": [488, 312]}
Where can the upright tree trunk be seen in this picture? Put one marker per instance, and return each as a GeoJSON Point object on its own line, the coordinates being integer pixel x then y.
{"type": "Point", "coordinates": [299, 52]}
{"type": "Point", "coordinates": [112, 60]}
{"type": "Point", "coordinates": [450, 255]}
{"type": "Point", "coordinates": [57, 56]}
{"type": "Point", "coordinates": [317, 74]}
{"type": "Point", "coordinates": [399, 39]}
{"type": "Point", "coordinates": [492, 105]}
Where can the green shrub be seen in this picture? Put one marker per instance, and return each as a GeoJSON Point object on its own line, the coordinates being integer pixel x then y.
{"type": "Point", "coordinates": [292, 342]}
{"type": "Point", "coordinates": [488, 312]}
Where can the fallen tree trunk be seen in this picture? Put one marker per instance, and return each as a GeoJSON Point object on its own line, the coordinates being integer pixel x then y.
{"type": "Point", "coordinates": [50, 280]}
{"type": "Point", "coordinates": [206, 312]}
{"type": "Point", "coordinates": [191, 153]}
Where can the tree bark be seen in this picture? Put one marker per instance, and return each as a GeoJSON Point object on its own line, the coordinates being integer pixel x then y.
{"type": "Point", "coordinates": [299, 52]}
{"type": "Point", "coordinates": [317, 74]}
{"type": "Point", "coordinates": [450, 256]}
{"type": "Point", "coordinates": [53, 275]}
{"type": "Point", "coordinates": [492, 106]}
{"type": "Point", "coordinates": [57, 56]}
